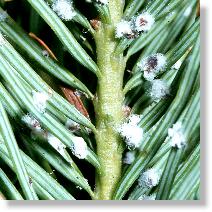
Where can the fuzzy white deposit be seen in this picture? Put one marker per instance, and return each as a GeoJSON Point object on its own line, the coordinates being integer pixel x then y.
{"type": "Point", "coordinates": [152, 65]}
{"type": "Point", "coordinates": [134, 119]}
{"type": "Point", "coordinates": [123, 28]}
{"type": "Point", "coordinates": [3, 16]}
{"type": "Point", "coordinates": [40, 100]}
{"type": "Point", "coordinates": [102, 1]}
{"type": "Point", "coordinates": [34, 125]}
{"type": "Point", "coordinates": [149, 178]}
{"type": "Point", "coordinates": [31, 122]}
{"type": "Point", "coordinates": [2, 40]}
{"type": "Point", "coordinates": [72, 125]}
{"type": "Point", "coordinates": [56, 144]}
{"type": "Point", "coordinates": [64, 9]}
{"type": "Point", "coordinates": [144, 22]}
{"type": "Point", "coordinates": [45, 53]}
{"type": "Point", "coordinates": [79, 147]}
{"type": "Point", "coordinates": [131, 132]}
{"type": "Point", "coordinates": [145, 197]}
{"type": "Point", "coordinates": [176, 135]}
{"type": "Point", "coordinates": [129, 157]}
{"type": "Point", "coordinates": [159, 89]}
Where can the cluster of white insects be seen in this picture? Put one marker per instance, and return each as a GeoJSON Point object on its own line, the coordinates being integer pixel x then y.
{"type": "Point", "coordinates": [79, 147]}
{"type": "Point", "coordinates": [129, 130]}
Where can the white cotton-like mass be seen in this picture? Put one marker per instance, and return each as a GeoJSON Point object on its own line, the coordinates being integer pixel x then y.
{"type": "Point", "coordinates": [31, 122]}
{"type": "Point", "coordinates": [123, 28]}
{"type": "Point", "coordinates": [131, 132]}
{"type": "Point", "coordinates": [129, 157]}
{"type": "Point", "coordinates": [3, 16]}
{"type": "Point", "coordinates": [176, 135]}
{"type": "Point", "coordinates": [56, 144]}
{"type": "Point", "coordinates": [102, 1]}
{"type": "Point", "coordinates": [45, 53]}
{"type": "Point", "coordinates": [159, 89]}
{"type": "Point", "coordinates": [79, 147]}
{"type": "Point", "coordinates": [145, 197]}
{"type": "Point", "coordinates": [152, 65]}
{"type": "Point", "coordinates": [144, 22]}
{"type": "Point", "coordinates": [64, 9]}
{"type": "Point", "coordinates": [2, 40]}
{"type": "Point", "coordinates": [72, 125]}
{"type": "Point", "coordinates": [149, 178]}
{"type": "Point", "coordinates": [134, 119]}
{"type": "Point", "coordinates": [34, 125]}
{"type": "Point", "coordinates": [40, 100]}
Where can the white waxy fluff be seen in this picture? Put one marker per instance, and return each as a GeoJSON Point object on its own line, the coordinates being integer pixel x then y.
{"type": "Point", "coordinates": [145, 197]}
{"type": "Point", "coordinates": [152, 65]}
{"type": "Point", "coordinates": [176, 135]}
{"type": "Point", "coordinates": [72, 125]}
{"type": "Point", "coordinates": [159, 90]}
{"type": "Point", "coordinates": [134, 119]}
{"type": "Point", "coordinates": [102, 1]}
{"type": "Point", "coordinates": [31, 122]}
{"type": "Point", "coordinates": [2, 40]}
{"type": "Point", "coordinates": [79, 147]}
{"type": "Point", "coordinates": [131, 132]}
{"type": "Point", "coordinates": [129, 157]}
{"type": "Point", "coordinates": [3, 16]}
{"type": "Point", "coordinates": [45, 53]}
{"type": "Point", "coordinates": [34, 125]}
{"type": "Point", "coordinates": [149, 178]}
{"type": "Point", "coordinates": [64, 9]}
{"type": "Point", "coordinates": [123, 28]}
{"type": "Point", "coordinates": [144, 22]}
{"type": "Point", "coordinates": [56, 144]}
{"type": "Point", "coordinates": [40, 100]}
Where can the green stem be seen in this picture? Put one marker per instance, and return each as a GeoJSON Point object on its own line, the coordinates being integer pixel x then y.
{"type": "Point", "coordinates": [108, 105]}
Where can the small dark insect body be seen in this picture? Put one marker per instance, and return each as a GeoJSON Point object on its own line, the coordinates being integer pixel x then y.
{"type": "Point", "coordinates": [143, 22]}
{"type": "Point", "coordinates": [152, 63]}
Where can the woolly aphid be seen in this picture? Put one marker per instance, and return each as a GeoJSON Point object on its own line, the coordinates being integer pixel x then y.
{"type": "Point", "coordinates": [149, 178]}
{"type": "Point", "coordinates": [56, 144]}
{"type": "Point", "coordinates": [152, 65]}
{"type": "Point", "coordinates": [34, 125]}
{"type": "Point", "coordinates": [133, 27]}
{"type": "Point", "coordinates": [64, 9]}
{"type": "Point", "coordinates": [105, 2]}
{"type": "Point", "coordinates": [72, 125]}
{"type": "Point", "coordinates": [45, 53]}
{"type": "Point", "coordinates": [40, 100]}
{"type": "Point", "coordinates": [2, 40]}
{"type": "Point", "coordinates": [3, 16]}
{"type": "Point", "coordinates": [176, 135]}
{"type": "Point", "coordinates": [79, 147]}
{"type": "Point", "coordinates": [146, 197]}
{"type": "Point", "coordinates": [129, 157]}
{"type": "Point", "coordinates": [31, 122]}
{"type": "Point", "coordinates": [38, 132]}
{"type": "Point", "coordinates": [131, 132]}
{"type": "Point", "coordinates": [143, 22]}
{"type": "Point", "coordinates": [124, 29]}
{"type": "Point", "coordinates": [158, 90]}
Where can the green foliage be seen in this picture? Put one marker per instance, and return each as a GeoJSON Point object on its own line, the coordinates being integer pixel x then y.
{"type": "Point", "coordinates": [62, 144]}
